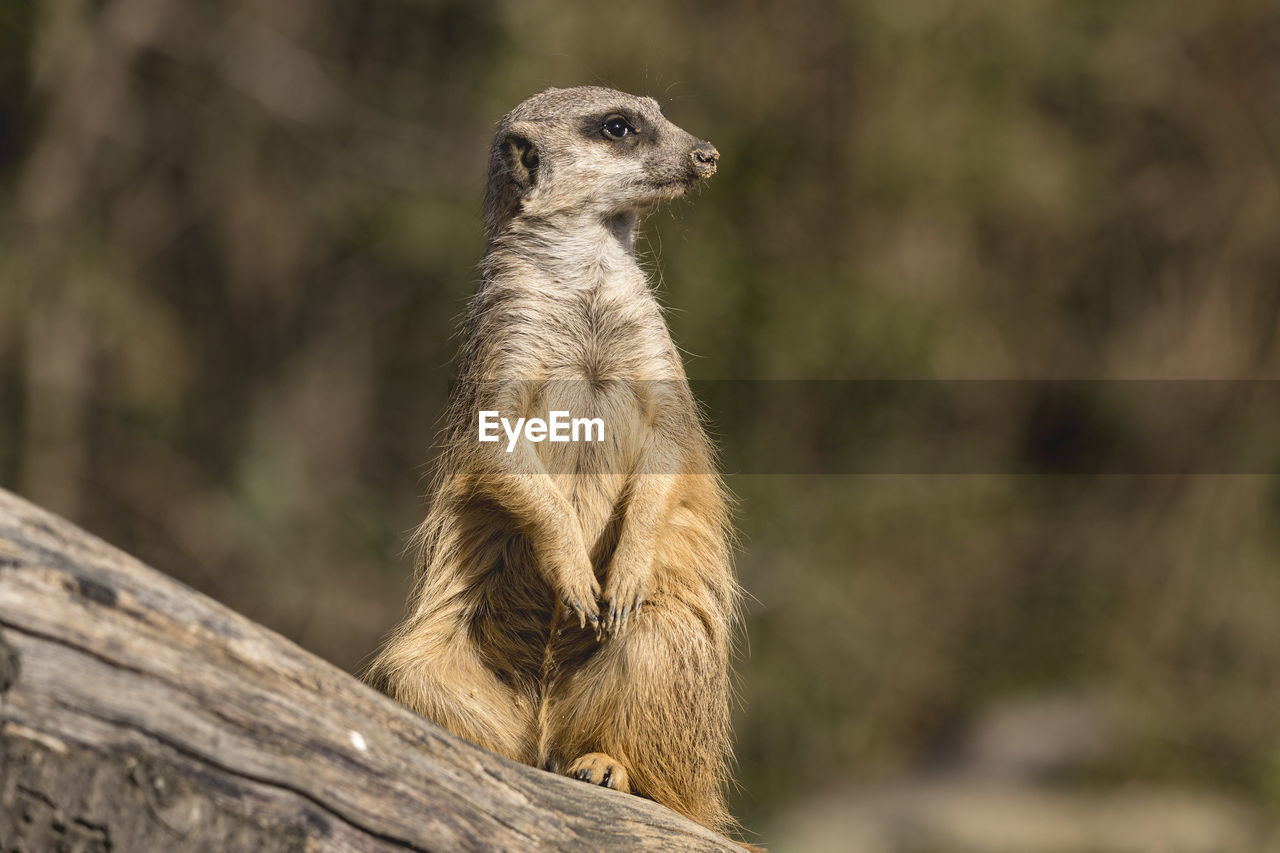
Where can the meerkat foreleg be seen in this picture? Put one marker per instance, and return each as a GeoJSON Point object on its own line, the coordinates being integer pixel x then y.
{"type": "Point", "coordinates": [651, 498]}
{"type": "Point", "coordinates": [519, 483]}
{"type": "Point", "coordinates": [547, 518]}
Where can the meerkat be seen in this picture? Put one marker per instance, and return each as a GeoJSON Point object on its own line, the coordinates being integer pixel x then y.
{"type": "Point", "coordinates": [574, 603]}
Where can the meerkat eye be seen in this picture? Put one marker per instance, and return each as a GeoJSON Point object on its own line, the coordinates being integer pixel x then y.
{"type": "Point", "coordinates": [616, 127]}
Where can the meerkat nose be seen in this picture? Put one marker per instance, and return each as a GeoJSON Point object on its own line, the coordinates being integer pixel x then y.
{"type": "Point", "coordinates": [704, 157]}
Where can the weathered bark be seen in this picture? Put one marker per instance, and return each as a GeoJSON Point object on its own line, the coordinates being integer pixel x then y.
{"type": "Point", "coordinates": [137, 714]}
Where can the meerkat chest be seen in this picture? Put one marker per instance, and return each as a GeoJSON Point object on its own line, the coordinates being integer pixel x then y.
{"type": "Point", "coordinates": [604, 359]}
{"type": "Point", "coordinates": [607, 334]}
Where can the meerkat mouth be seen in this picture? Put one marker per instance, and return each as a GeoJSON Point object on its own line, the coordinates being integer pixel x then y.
{"type": "Point", "coordinates": [677, 187]}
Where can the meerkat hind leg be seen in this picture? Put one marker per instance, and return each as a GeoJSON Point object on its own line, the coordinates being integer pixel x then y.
{"type": "Point", "coordinates": [600, 769]}
{"type": "Point", "coordinates": [652, 700]}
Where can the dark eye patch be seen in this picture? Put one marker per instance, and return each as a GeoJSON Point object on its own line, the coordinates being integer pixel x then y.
{"type": "Point", "coordinates": [617, 126]}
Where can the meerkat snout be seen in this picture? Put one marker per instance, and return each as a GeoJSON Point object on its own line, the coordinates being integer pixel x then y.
{"type": "Point", "coordinates": [705, 156]}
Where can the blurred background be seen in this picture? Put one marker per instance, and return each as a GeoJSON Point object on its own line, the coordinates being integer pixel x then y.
{"type": "Point", "coordinates": [235, 240]}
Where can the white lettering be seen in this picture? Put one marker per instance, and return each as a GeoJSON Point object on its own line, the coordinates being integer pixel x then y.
{"type": "Point", "coordinates": [486, 424]}
{"type": "Point", "coordinates": [559, 424]}
{"type": "Point", "coordinates": [587, 425]}
{"type": "Point", "coordinates": [558, 427]}
{"type": "Point", "coordinates": [512, 434]}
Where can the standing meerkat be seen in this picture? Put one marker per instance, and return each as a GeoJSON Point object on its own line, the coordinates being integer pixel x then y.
{"type": "Point", "coordinates": [574, 601]}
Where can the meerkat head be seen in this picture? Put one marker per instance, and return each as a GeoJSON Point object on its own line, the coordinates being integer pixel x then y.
{"type": "Point", "coordinates": [589, 150]}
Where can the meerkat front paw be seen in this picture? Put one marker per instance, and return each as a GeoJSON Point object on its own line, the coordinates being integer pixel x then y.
{"type": "Point", "coordinates": [580, 592]}
{"type": "Point", "coordinates": [600, 769]}
{"type": "Point", "coordinates": [624, 595]}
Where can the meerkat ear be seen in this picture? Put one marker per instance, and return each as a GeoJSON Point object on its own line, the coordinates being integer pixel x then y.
{"type": "Point", "coordinates": [522, 161]}
{"type": "Point", "coordinates": [513, 172]}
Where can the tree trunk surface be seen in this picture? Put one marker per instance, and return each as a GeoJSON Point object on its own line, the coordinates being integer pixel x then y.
{"type": "Point", "coordinates": [137, 714]}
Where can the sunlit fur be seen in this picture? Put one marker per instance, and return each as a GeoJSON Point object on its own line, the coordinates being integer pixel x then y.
{"type": "Point", "coordinates": [577, 599]}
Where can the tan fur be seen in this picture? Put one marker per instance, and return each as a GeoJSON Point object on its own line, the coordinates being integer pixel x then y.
{"type": "Point", "coordinates": [574, 603]}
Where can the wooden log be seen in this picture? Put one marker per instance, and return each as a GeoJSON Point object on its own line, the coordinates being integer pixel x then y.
{"type": "Point", "coordinates": [136, 715]}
